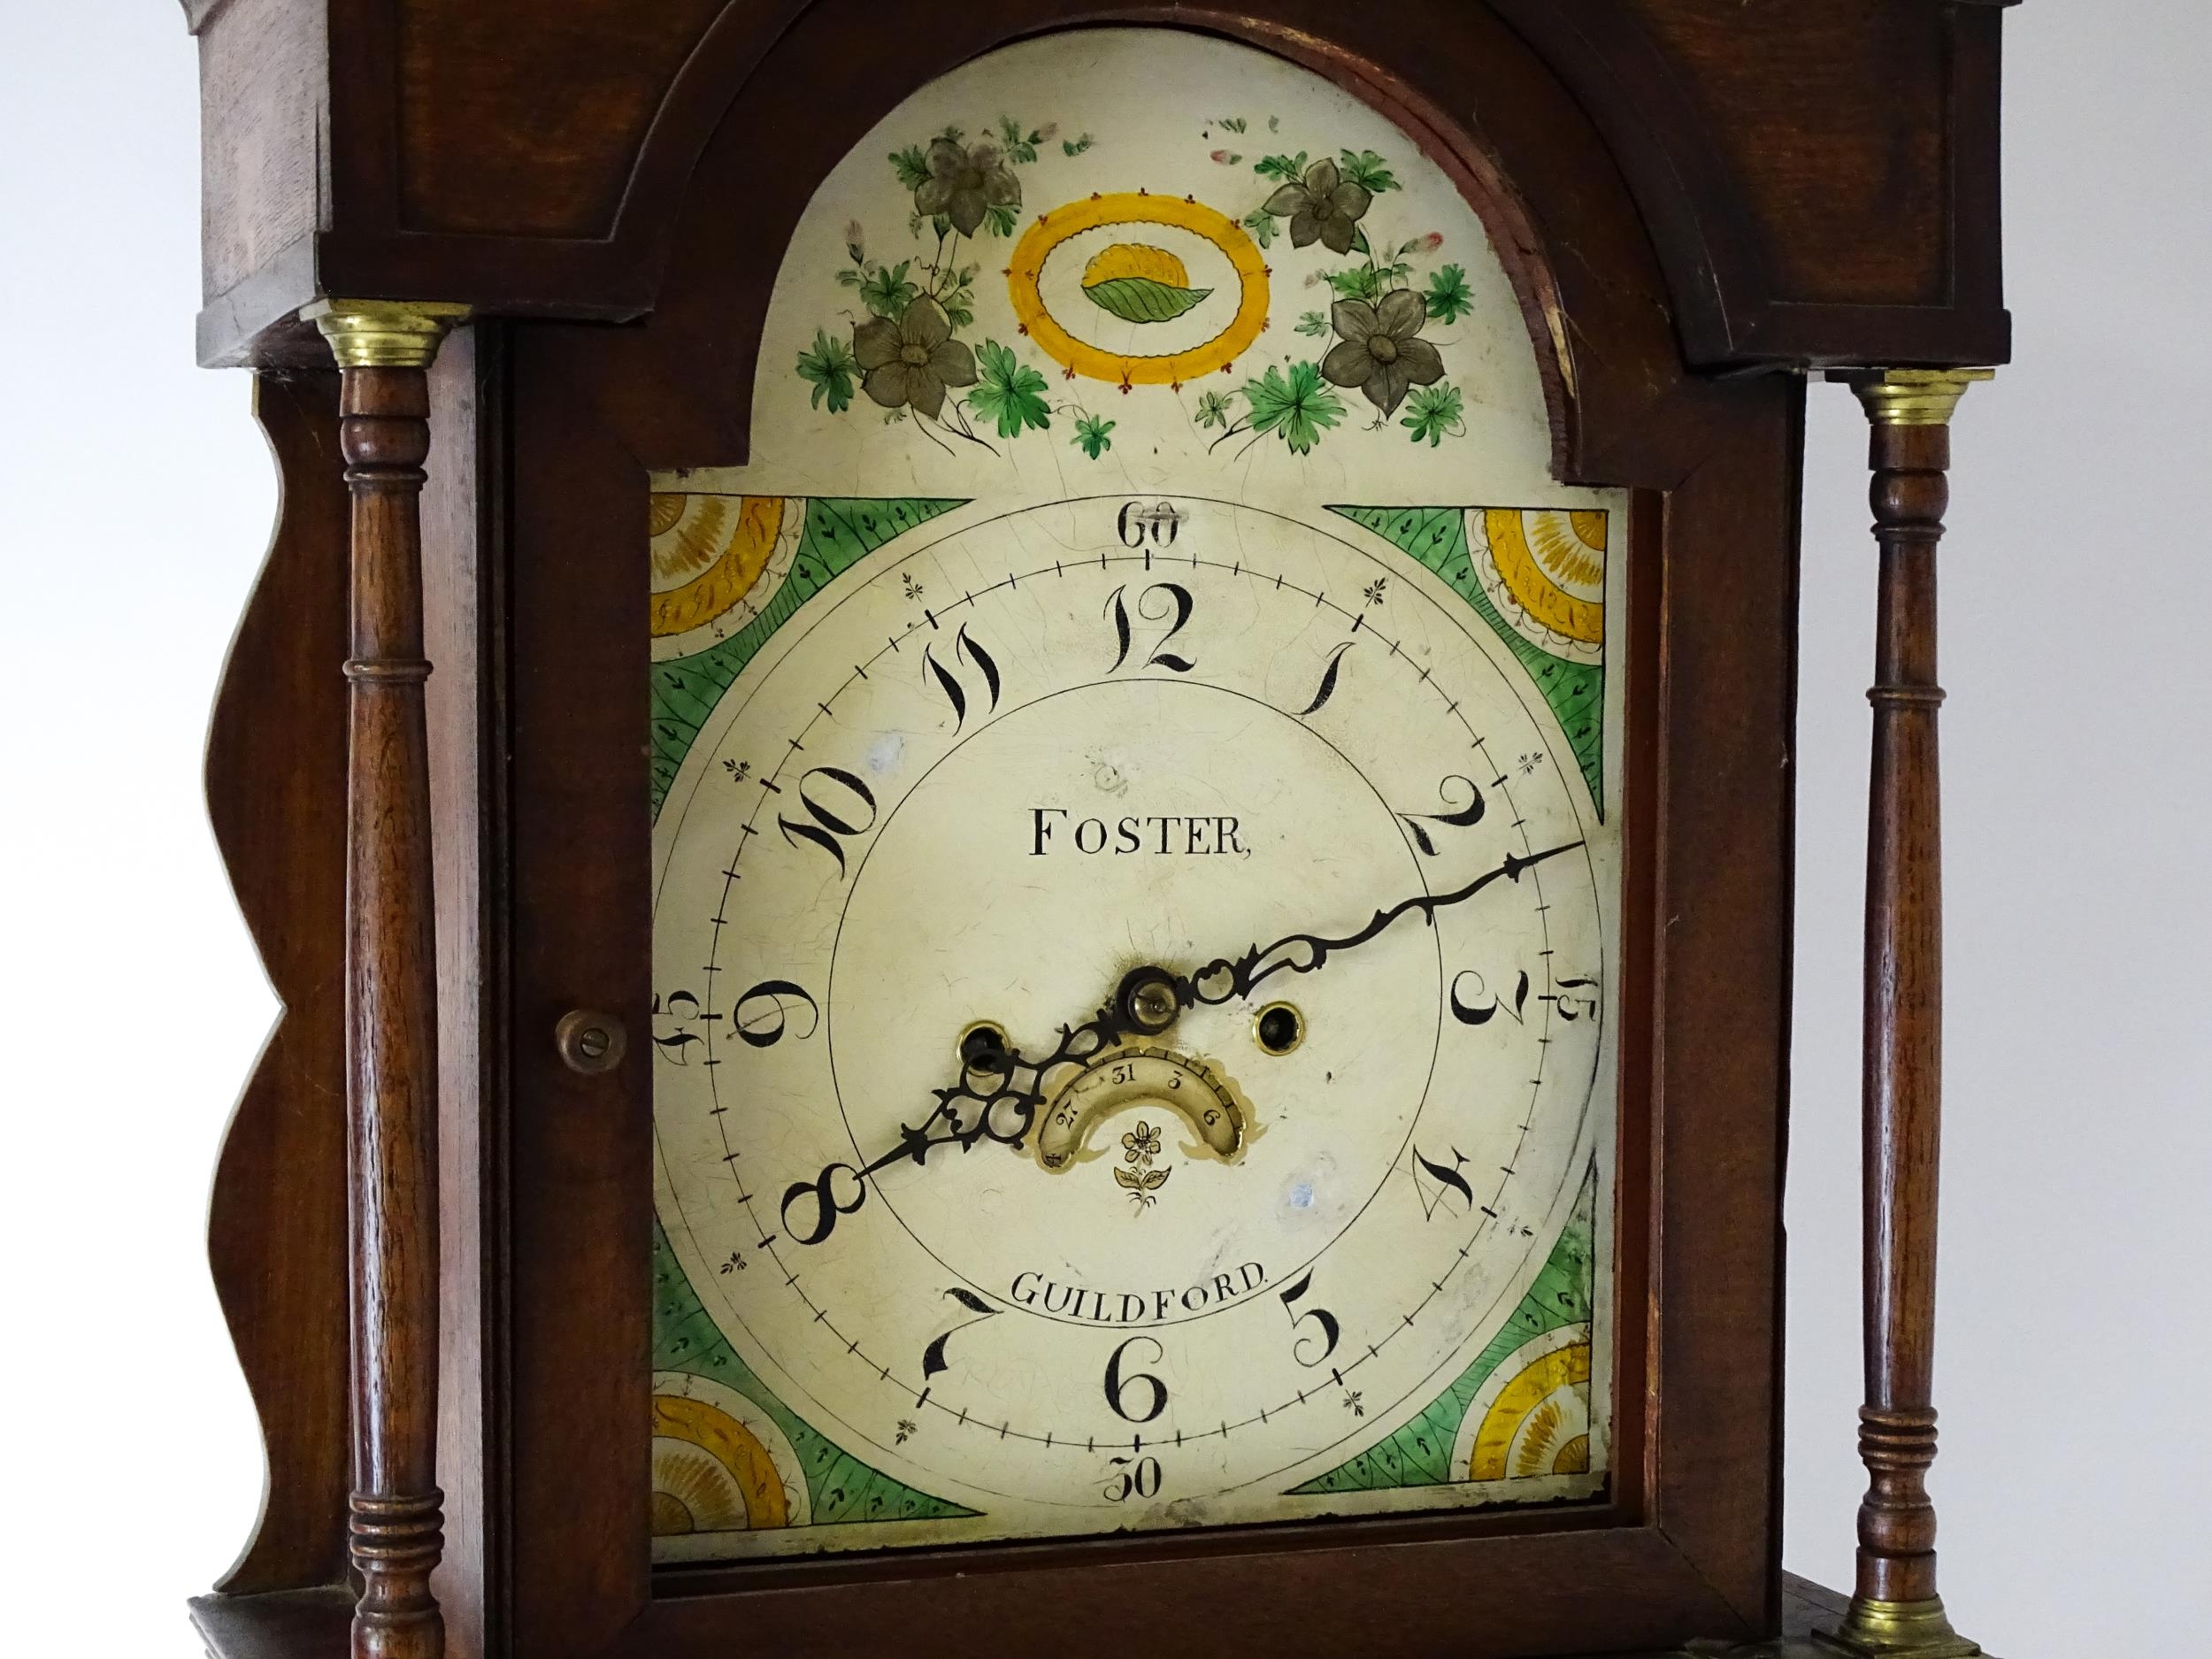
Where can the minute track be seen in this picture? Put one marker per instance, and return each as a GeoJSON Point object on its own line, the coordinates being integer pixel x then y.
{"type": "Point", "coordinates": [1003, 1106]}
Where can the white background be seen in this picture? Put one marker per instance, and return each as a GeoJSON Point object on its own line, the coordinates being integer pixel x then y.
{"type": "Point", "coordinates": [136, 499]}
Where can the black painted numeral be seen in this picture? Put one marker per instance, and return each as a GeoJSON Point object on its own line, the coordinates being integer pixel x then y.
{"type": "Point", "coordinates": [1119, 1388]}
{"type": "Point", "coordinates": [1473, 1013]}
{"type": "Point", "coordinates": [1328, 679]}
{"type": "Point", "coordinates": [1327, 1334]}
{"type": "Point", "coordinates": [680, 1010]}
{"type": "Point", "coordinates": [933, 1359]}
{"type": "Point", "coordinates": [1446, 1177]}
{"type": "Point", "coordinates": [1137, 524]}
{"type": "Point", "coordinates": [1579, 1007]}
{"type": "Point", "coordinates": [760, 1016]}
{"type": "Point", "coordinates": [828, 1202]}
{"type": "Point", "coordinates": [1133, 1477]}
{"type": "Point", "coordinates": [1456, 817]}
{"type": "Point", "coordinates": [1174, 600]}
{"type": "Point", "coordinates": [948, 683]}
{"type": "Point", "coordinates": [835, 817]}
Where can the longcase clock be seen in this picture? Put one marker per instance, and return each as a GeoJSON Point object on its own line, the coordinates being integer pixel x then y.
{"type": "Point", "coordinates": [1020, 779]}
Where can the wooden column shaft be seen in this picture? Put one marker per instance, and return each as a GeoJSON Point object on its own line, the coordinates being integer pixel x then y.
{"type": "Point", "coordinates": [391, 997]}
{"type": "Point", "coordinates": [394, 1528]}
{"type": "Point", "coordinates": [1895, 1609]}
{"type": "Point", "coordinates": [1902, 1033]}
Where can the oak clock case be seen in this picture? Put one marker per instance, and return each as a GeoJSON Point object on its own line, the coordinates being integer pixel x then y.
{"type": "Point", "coordinates": [1137, 900]}
{"type": "Point", "coordinates": [1135, 908]}
{"type": "Point", "coordinates": [1107, 799]}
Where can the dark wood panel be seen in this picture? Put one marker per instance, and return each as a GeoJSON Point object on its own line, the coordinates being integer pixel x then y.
{"type": "Point", "coordinates": [1725, 724]}
{"type": "Point", "coordinates": [484, 147]}
{"type": "Point", "coordinates": [461, 595]}
{"type": "Point", "coordinates": [582, 1147]}
{"type": "Point", "coordinates": [1622, 1588]}
{"type": "Point", "coordinates": [312, 1625]}
{"type": "Point", "coordinates": [1835, 158]}
{"type": "Point", "coordinates": [1840, 106]}
{"type": "Point", "coordinates": [263, 64]}
{"type": "Point", "coordinates": [276, 792]}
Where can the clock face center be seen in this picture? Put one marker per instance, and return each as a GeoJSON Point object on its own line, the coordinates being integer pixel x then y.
{"type": "Point", "coordinates": [1076, 855]}
{"type": "Point", "coordinates": [1147, 998]}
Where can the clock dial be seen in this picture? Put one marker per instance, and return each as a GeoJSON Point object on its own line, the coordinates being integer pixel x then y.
{"type": "Point", "coordinates": [1133, 962]}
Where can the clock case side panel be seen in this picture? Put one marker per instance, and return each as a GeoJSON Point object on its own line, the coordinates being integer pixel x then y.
{"type": "Point", "coordinates": [276, 795]}
{"type": "Point", "coordinates": [1690, 1546]}
{"type": "Point", "coordinates": [276, 788]}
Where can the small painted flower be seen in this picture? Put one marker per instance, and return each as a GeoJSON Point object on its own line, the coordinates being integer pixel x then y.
{"type": "Point", "coordinates": [1378, 352]}
{"type": "Point", "coordinates": [1297, 405]}
{"type": "Point", "coordinates": [1011, 393]}
{"type": "Point", "coordinates": [886, 292]}
{"type": "Point", "coordinates": [1090, 435]}
{"type": "Point", "coordinates": [828, 366]}
{"type": "Point", "coordinates": [1322, 206]}
{"type": "Point", "coordinates": [910, 362]}
{"type": "Point", "coordinates": [1213, 410]}
{"type": "Point", "coordinates": [1435, 414]}
{"type": "Point", "coordinates": [965, 184]}
{"type": "Point", "coordinates": [1366, 170]}
{"type": "Point", "coordinates": [1447, 297]}
{"type": "Point", "coordinates": [1141, 1143]}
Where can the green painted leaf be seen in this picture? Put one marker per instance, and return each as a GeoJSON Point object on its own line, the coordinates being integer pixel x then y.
{"type": "Point", "coordinates": [1142, 300]}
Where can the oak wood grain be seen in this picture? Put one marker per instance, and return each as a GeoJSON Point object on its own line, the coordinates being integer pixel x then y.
{"type": "Point", "coordinates": [1903, 1029]}
{"type": "Point", "coordinates": [275, 781]}
{"type": "Point", "coordinates": [391, 1028]}
{"type": "Point", "coordinates": [1819, 180]}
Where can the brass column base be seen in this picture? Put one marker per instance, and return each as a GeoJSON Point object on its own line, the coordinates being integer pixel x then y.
{"type": "Point", "coordinates": [1869, 1630]}
{"type": "Point", "coordinates": [1897, 1630]}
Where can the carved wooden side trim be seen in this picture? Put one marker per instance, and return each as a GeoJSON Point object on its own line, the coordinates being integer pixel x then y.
{"type": "Point", "coordinates": [275, 779]}
{"type": "Point", "coordinates": [1895, 1609]}
{"type": "Point", "coordinates": [391, 982]}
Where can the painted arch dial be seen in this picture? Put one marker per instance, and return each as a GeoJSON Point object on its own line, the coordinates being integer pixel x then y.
{"type": "Point", "coordinates": [1132, 987]}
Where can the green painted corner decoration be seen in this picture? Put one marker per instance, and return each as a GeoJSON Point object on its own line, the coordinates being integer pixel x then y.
{"type": "Point", "coordinates": [728, 1455]}
{"type": "Point", "coordinates": [1538, 578]}
{"type": "Point", "coordinates": [728, 571]}
{"type": "Point", "coordinates": [1522, 1409]}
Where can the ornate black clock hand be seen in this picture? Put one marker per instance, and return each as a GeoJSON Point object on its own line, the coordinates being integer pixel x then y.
{"type": "Point", "coordinates": [1012, 1085]}
{"type": "Point", "coordinates": [1223, 979]}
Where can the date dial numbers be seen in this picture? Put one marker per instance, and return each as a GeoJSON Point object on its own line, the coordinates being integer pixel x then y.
{"type": "Point", "coordinates": [1145, 1077]}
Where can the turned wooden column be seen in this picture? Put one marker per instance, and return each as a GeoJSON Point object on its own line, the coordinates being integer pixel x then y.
{"type": "Point", "coordinates": [394, 1536]}
{"type": "Point", "coordinates": [1894, 1608]}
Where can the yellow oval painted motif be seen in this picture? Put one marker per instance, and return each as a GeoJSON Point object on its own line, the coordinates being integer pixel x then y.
{"type": "Point", "coordinates": [1079, 356]}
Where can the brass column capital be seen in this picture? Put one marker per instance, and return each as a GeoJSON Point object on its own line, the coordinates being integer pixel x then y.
{"type": "Point", "coordinates": [383, 333]}
{"type": "Point", "coordinates": [1910, 397]}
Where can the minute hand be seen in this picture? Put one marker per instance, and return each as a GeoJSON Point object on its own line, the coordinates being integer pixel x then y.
{"type": "Point", "coordinates": [1226, 979]}
{"type": "Point", "coordinates": [1000, 1100]}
